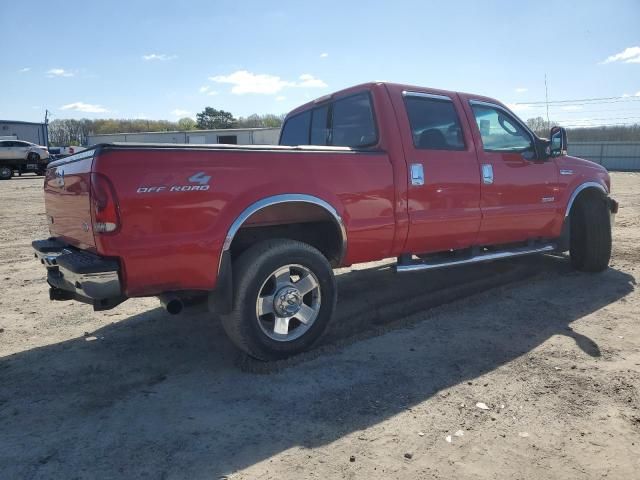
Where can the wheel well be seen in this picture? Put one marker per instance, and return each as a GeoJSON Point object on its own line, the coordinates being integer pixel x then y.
{"type": "Point", "coordinates": [587, 193]}
{"type": "Point", "coordinates": [305, 222]}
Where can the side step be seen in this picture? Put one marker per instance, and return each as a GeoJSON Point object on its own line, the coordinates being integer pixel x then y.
{"type": "Point", "coordinates": [482, 257]}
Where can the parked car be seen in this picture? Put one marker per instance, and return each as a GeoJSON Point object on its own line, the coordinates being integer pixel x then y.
{"type": "Point", "coordinates": [432, 177]}
{"type": "Point", "coordinates": [20, 156]}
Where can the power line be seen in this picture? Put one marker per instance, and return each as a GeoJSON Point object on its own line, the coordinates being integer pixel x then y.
{"type": "Point", "coordinates": [633, 109]}
{"type": "Point", "coordinates": [636, 124]}
{"type": "Point", "coordinates": [544, 102]}
{"type": "Point", "coordinates": [606, 118]}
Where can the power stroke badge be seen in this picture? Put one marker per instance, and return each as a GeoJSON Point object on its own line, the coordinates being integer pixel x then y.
{"type": "Point", "coordinates": [197, 182]}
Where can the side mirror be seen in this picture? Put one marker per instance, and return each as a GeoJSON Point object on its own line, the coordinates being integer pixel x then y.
{"type": "Point", "coordinates": [557, 141]}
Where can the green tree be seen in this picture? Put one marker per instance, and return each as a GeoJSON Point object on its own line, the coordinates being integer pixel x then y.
{"type": "Point", "coordinates": [254, 121]}
{"type": "Point", "coordinates": [186, 123]}
{"type": "Point", "coordinates": [212, 118]}
{"type": "Point", "coordinates": [540, 126]}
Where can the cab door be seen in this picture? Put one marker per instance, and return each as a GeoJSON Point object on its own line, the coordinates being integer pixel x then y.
{"type": "Point", "coordinates": [519, 192]}
{"type": "Point", "coordinates": [444, 176]}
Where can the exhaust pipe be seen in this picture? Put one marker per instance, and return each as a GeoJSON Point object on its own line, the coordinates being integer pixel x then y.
{"type": "Point", "coordinates": [171, 303]}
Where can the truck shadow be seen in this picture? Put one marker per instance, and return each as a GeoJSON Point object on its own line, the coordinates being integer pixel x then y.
{"type": "Point", "coordinates": [163, 396]}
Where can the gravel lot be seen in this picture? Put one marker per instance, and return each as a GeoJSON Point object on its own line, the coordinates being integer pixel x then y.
{"type": "Point", "coordinates": [392, 391]}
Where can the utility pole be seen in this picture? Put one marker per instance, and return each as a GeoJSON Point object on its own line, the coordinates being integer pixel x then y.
{"type": "Point", "coordinates": [46, 127]}
{"type": "Point", "coordinates": [546, 99]}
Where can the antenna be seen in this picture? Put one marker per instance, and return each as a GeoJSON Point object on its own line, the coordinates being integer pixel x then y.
{"type": "Point", "coordinates": [546, 99]}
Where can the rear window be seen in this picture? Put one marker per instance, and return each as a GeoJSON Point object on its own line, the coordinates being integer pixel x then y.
{"type": "Point", "coordinates": [296, 130]}
{"type": "Point", "coordinates": [345, 122]}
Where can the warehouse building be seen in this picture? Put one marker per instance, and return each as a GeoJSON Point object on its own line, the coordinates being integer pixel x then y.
{"type": "Point", "coordinates": [28, 131]}
{"type": "Point", "coordinates": [233, 136]}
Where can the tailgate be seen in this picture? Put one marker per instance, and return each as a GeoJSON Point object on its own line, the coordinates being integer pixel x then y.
{"type": "Point", "coordinates": [67, 199]}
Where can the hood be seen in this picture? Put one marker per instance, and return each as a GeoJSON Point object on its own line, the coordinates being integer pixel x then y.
{"type": "Point", "coordinates": [581, 163]}
{"type": "Point", "coordinates": [585, 169]}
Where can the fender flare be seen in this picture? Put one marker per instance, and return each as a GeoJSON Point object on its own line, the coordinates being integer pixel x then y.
{"type": "Point", "coordinates": [565, 234]}
{"type": "Point", "coordinates": [579, 189]}
{"type": "Point", "coordinates": [280, 199]}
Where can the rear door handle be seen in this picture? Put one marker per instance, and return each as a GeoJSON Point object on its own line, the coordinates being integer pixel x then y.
{"type": "Point", "coordinates": [487, 173]}
{"type": "Point", "coordinates": [417, 174]}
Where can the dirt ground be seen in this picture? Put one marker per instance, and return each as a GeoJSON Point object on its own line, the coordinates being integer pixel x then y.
{"type": "Point", "coordinates": [397, 388]}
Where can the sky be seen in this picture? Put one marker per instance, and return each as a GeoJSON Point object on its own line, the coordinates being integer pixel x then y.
{"type": "Point", "coordinates": [167, 60]}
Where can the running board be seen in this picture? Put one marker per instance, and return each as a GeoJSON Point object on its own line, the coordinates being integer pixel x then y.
{"type": "Point", "coordinates": [484, 257]}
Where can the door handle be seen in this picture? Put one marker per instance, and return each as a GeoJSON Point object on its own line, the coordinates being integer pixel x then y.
{"type": "Point", "coordinates": [487, 173]}
{"type": "Point", "coordinates": [417, 174]}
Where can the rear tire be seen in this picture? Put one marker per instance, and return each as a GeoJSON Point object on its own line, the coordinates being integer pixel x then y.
{"type": "Point", "coordinates": [590, 241]}
{"type": "Point", "coordinates": [284, 298]}
{"type": "Point", "coordinates": [6, 173]}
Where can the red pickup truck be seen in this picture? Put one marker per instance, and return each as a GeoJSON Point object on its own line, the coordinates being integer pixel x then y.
{"type": "Point", "coordinates": [432, 177]}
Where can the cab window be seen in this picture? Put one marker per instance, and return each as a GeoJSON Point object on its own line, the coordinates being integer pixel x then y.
{"type": "Point", "coordinates": [499, 131]}
{"type": "Point", "coordinates": [345, 122]}
{"type": "Point", "coordinates": [296, 130]}
{"type": "Point", "coordinates": [352, 123]}
{"type": "Point", "coordinates": [320, 125]}
{"type": "Point", "coordinates": [434, 123]}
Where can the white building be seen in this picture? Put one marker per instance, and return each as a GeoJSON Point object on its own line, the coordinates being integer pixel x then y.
{"type": "Point", "coordinates": [27, 131]}
{"type": "Point", "coordinates": [239, 136]}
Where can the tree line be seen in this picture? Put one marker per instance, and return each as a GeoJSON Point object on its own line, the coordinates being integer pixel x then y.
{"type": "Point", "coordinates": [74, 132]}
{"type": "Point", "coordinates": [69, 131]}
{"type": "Point", "coordinates": [613, 133]}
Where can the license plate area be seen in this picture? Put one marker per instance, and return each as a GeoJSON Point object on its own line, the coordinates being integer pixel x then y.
{"type": "Point", "coordinates": [32, 166]}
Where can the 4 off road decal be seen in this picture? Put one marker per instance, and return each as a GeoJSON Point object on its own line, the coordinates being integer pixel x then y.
{"type": "Point", "coordinates": [200, 180]}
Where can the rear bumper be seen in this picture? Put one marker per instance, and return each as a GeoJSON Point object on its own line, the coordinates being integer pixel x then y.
{"type": "Point", "coordinates": [79, 275]}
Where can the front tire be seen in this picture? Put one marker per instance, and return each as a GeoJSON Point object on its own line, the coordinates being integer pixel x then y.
{"type": "Point", "coordinates": [284, 298]}
{"type": "Point", "coordinates": [590, 241]}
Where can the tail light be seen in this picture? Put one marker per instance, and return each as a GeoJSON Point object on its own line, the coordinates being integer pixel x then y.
{"type": "Point", "coordinates": [105, 211]}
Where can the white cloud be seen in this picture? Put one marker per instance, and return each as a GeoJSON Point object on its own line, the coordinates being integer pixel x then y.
{"type": "Point", "coordinates": [571, 108]}
{"type": "Point", "coordinates": [178, 112]}
{"type": "Point", "coordinates": [204, 88]}
{"type": "Point", "coordinates": [307, 80]}
{"type": "Point", "coordinates": [84, 107]}
{"type": "Point", "coordinates": [247, 82]}
{"type": "Point", "coordinates": [628, 55]}
{"type": "Point", "coordinates": [280, 98]}
{"type": "Point", "coordinates": [59, 72]}
{"type": "Point", "coordinates": [637, 94]}
{"type": "Point", "coordinates": [324, 55]}
{"type": "Point", "coordinates": [244, 82]}
{"type": "Point", "coordinates": [521, 89]}
{"type": "Point", "coordinates": [24, 70]}
{"type": "Point", "coordinates": [158, 56]}
{"type": "Point", "coordinates": [212, 93]}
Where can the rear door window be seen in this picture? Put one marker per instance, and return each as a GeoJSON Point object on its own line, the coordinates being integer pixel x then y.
{"type": "Point", "coordinates": [434, 123]}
